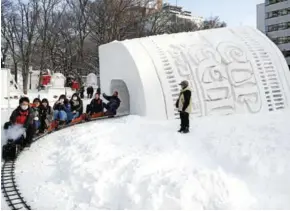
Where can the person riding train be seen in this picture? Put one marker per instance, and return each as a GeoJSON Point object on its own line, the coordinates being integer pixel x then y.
{"type": "Point", "coordinates": [36, 110]}
{"type": "Point", "coordinates": [22, 116]}
{"type": "Point", "coordinates": [113, 104]}
{"type": "Point", "coordinates": [46, 115]}
{"type": "Point", "coordinates": [61, 109]}
{"type": "Point", "coordinates": [96, 106]}
{"type": "Point", "coordinates": [76, 105]}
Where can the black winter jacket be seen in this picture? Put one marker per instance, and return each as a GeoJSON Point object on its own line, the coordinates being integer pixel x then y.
{"type": "Point", "coordinates": [186, 95]}
{"type": "Point", "coordinates": [45, 113]}
{"type": "Point", "coordinates": [96, 106]}
{"type": "Point", "coordinates": [76, 105]}
{"type": "Point", "coordinates": [114, 102]}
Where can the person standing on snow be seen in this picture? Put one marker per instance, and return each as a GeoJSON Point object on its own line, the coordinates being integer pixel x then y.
{"type": "Point", "coordinates": [81, 91]}
{"type": "Point", "coordinates": [23, 115]}
{"type": "Point", "coordinates": [99, 91]}
{"type": "Point", "coordinates": [90, 92]}
{"type": "Point", "coordinates": [184, 106]}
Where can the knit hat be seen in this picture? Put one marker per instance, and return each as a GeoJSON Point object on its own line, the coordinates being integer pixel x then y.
{"type": "Point", "coordinates": [184, 83]}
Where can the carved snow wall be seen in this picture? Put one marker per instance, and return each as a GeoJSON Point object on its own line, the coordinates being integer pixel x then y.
{"type": "Point", "coordinates": [230, 70]}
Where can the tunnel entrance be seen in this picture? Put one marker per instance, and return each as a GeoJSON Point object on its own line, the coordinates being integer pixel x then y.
{"type": "Point", "coordinates": [121, 87]}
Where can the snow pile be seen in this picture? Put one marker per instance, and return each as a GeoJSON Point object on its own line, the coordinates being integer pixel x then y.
{"type": "Point", "coordinates": [233, 162]}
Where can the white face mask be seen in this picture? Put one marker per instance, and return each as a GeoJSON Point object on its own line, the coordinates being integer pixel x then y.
{"type": "Point", "coordinates": [24, 107]}
{"type": "Point", "coordinates": [75, 98]}
{"type": "Point", "coordinates": [61, 100]}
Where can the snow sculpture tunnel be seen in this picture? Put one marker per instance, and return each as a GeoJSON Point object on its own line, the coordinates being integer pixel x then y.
{"type": "Point", "coordinates": [230, 70]}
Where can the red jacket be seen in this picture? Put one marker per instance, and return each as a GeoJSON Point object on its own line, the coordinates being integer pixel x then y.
{"type": "Point", "coordinates": [21, 117]}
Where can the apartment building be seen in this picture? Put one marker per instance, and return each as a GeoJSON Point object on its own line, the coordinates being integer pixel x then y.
{"type": "Point", "coordinates": [182, 15]}
{"type": "Point", "coordinates": [273, 19]}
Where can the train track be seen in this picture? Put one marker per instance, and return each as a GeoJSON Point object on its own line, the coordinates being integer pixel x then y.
{"type": "Point", "coordinates": [9, 186]}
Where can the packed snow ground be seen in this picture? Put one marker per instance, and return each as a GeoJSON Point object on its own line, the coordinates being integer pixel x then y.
{"type": "Point", "coordinates": [232, 162]}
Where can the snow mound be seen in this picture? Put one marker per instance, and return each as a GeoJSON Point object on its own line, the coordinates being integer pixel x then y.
{"type": "Point", "coordinates": [233, 162]}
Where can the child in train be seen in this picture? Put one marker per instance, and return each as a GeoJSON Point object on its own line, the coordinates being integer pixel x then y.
{"type": "Point", "coordinates": [95, 107]}
{"type": "Point", "coordinates": [76, 105]}
{"type": "Point", "coordinates": [22, 116]}
{"type": "Point", "coordinates": [36, 110]}
{"type": "Point", "coordinates": [46, 115]}
{"type": "Point", "coordinates": [61, 109]}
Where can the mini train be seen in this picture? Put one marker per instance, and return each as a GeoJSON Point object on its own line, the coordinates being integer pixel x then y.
{"type": "Point", "coordinates": [55, 126]}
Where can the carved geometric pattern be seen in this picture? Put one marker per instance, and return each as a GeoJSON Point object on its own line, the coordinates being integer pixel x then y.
{"type": "Point", "coordinates": [222, 77]}
{"type": "Point", "coordinates": [170, 75]}
{"type": "Point", "coordinates": [267, 72]}
{"type": "Point", "coordinates": [143, 44]}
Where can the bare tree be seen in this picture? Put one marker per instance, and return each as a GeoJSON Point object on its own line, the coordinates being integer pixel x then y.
{"type": "Point", "coordinates": [64, 35]}
{"type": "Point", "coordinates": [45, 20]}
{"type": "Point", "coordinates": [24, 27]}
{"type": "Point", "coordinates": [158, 23]}
{"type": "Point", "coordinates": [212, 22]}
{"type": "Point", "coordinates": [4, 43]}
{"type": "Point", "coordinates": [114, 20]}
{"type": "Point", "coordinates": [8, 35]}
{"type": "Point", "coordinates": [80, 23]}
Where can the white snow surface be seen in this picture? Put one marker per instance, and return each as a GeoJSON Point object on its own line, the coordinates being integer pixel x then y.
{"type": "Point", "coordinates": [232, 162]}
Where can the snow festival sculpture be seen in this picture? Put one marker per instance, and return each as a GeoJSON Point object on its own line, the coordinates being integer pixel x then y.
{"type": "Point", "coordinates": [230, 70]}
{"type": "Point", "coordinates": [92, 80]}
{"type": "Point", "coordinates": [57, 80]}
{"type": "Point", "coordinates": [9, 88]}
{"type": "Point", "coordinates": [57, 86]}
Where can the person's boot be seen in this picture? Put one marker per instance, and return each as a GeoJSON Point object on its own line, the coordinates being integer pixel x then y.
{"type": "Point", "coordinates": [186, 130]}
{"type": "Point", "coordinates": [180, 130]}
{"type": "Point", "coordinates": [62, 122]}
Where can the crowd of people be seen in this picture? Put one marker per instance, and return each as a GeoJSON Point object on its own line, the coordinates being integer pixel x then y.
{"type": "Point", "coordinates": [38, 116]}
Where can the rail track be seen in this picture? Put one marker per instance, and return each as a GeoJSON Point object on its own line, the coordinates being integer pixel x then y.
{"type": "Point", "coordinates": [10, 189]}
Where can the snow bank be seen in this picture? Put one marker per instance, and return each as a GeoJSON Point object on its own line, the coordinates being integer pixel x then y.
{"type": "Point", "coordinates": [4, 205]}
{"type": "Point", "coordinates": [235, 162]}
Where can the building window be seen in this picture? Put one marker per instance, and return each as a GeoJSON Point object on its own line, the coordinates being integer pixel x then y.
{"type": "Point", "coordinates": [278, 27]}
{"type": "Point", "coordinates": [281, 40]}
{"type": "Point", "coordinates": [277, 13]}
{"type": "Point", "coordinates": [269, 2]}
{"type": "Point", "coordinates": [286, 53]}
